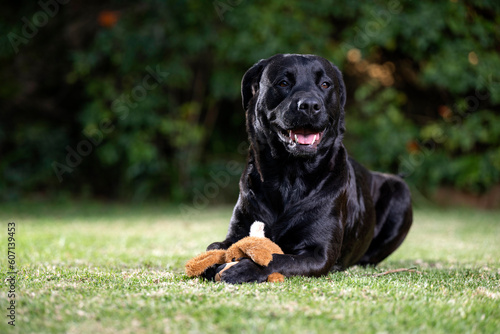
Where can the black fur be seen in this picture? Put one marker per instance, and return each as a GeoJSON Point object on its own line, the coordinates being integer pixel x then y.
{"type": "Point", "coordinates": [323, 209]}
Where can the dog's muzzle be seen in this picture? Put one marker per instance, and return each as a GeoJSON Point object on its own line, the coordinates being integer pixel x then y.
{"type": "Point", "coordinates": [301, 124]}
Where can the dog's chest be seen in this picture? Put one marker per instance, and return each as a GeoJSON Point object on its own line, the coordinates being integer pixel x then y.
{"type": "Point", "coordinates": [291, 191]}
{"type": "Point", "coordinates": [286, 190]}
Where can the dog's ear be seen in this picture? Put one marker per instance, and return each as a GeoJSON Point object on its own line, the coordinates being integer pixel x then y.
{"type": "Point", "coordinates": [339, 86]}
{"type": "Point", "coordinates": [250, 82]}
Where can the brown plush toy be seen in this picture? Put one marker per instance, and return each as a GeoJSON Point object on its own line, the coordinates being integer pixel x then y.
{"type": "Point", "coordinates": [256, 246]}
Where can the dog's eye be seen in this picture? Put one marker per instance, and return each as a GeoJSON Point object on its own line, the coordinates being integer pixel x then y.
{"type": "Point", "coordinates": [325, 85]}
{"type": "Point", "coordinates": [283, 83]}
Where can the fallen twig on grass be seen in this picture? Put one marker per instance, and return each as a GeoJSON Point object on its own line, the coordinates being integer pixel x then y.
{"type": "Point", "coordinates": [411, 270]}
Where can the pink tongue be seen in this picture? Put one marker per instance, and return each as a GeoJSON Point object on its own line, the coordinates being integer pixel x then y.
{"type": "Point", "coordinates": [306, 139]}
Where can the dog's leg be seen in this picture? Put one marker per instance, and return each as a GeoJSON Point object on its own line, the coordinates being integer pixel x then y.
{"type": "Point", "coordinates": [394, 218]}
{"type": "Point", "coordinates": [315, 262]}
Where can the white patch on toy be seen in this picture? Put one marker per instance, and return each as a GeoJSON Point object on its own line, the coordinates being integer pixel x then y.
{"type": "Point", "coordinates": [257, 229]}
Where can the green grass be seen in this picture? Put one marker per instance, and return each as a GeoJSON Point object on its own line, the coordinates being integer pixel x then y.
{"type": "Point", "coordinates": [110, 268]}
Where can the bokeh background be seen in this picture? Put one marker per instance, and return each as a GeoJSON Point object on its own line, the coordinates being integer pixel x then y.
{"type": "Point", "coordinates": [140, 100]}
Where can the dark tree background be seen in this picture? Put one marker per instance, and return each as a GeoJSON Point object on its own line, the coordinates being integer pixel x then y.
{"type": "Point", "coordinates": [140, 99]}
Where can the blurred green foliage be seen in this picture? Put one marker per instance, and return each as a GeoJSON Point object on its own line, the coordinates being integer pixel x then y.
{"type": "Point", "coordinates": [141, 99]}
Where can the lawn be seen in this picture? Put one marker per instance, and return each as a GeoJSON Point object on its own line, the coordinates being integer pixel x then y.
{"type": "Point", "coordinates": [114, 268]}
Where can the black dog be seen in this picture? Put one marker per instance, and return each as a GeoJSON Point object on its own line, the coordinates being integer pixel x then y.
{"type": "Point", "coordinates": [323, 209]}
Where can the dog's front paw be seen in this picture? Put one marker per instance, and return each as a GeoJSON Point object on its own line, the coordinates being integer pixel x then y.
{"type": "Point", "coordinates": [245, 271]}
{"type": "Point", "coordinates": [210, 272]}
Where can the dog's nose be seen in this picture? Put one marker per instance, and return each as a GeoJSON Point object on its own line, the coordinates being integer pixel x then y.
{"type": "Point", "coordinates": [309, 105]}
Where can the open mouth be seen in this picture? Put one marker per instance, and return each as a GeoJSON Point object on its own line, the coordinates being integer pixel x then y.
{"type": "Point", "coordinates": [301, 136]}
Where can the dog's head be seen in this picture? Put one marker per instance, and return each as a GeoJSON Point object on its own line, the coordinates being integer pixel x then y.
{"type": "Point", "coordinates": [295, 102]}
